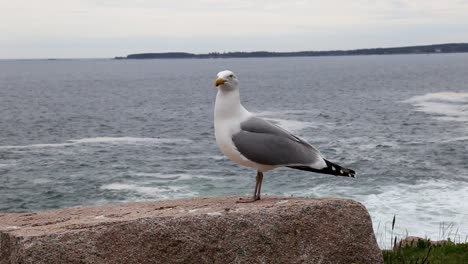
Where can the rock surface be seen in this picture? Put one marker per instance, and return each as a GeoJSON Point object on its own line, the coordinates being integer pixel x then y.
{"type": "Point", "coordinates": [200, 230]}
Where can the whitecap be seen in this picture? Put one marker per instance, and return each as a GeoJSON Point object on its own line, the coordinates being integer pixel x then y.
{"type": "Point", "coordinates": [175, 177]}
{"type": "Point", "coordinates": [287, 123]}
{"type": "Point", "coordinates": [292, 125]}
{"type": "Point", "coordinates": [33, 146]}
{"type": "Point", "coordinates": [128, 140]}
{"type": "Point", "coordinates": [159, 192]}
{"type": "Point", "coordinates": [6, 165]}
{"type": "Point", "coordinates": [104, 140]}
{"type": "Point", "coordinates": [440, 96]}
{"type": "Point", "coordinates": [163, 176]}
{"type": "Point", "coordinates": [285, 112]}
{"type": "Point", "coordinates": [192, 157]}
{"type": "Point", "coordinates": [420, 208]}
{"type": "Point", "coordinates": [448, 106]}
{"type": "Point", "coordinates": [117, 186]}
{"type": "Point", "coordinates": [454, 139]}
{"type": "Point", "coordinates": [41, 181]}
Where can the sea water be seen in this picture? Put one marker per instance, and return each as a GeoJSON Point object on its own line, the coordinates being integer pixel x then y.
{"type": "Point", "coordinates": [88, 132]}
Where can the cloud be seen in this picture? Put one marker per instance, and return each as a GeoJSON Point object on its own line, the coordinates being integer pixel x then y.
{"type": "Point", "coordinates": [95, 20]}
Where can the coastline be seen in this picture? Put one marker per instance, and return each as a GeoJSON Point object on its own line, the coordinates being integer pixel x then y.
{"type": "Point", "coordinates": [421, 49]}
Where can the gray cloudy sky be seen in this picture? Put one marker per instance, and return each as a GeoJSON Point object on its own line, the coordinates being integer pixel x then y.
{"type": "Point", "coordinates": [107, 28]}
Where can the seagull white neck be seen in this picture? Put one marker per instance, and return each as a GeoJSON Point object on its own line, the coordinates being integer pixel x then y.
{"type": "Point", "coordinates": [228, 105]}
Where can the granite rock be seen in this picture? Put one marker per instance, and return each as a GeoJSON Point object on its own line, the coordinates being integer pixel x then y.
{"type": "Point", "coordinates": [198, 230]}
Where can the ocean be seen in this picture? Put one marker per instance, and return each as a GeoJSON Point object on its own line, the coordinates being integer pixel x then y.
{"type": "Point", "coordinates": [97, 131]}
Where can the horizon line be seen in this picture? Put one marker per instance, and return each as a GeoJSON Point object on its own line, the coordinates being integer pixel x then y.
{"type": "Point", "coordinates": [228, 52]}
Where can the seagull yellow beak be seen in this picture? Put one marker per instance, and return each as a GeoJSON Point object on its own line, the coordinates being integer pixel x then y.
{"type": "Point", "coordinates": [219, 81]}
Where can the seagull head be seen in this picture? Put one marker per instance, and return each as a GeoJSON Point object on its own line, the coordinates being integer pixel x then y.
{"type": "Point", "coordinates": [226, 81]}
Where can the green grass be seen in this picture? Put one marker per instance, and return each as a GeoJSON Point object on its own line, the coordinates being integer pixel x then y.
{"type": "Point", "coordinates": [425, 253]}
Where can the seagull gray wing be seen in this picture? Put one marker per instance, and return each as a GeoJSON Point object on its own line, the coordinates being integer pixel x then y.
{"type": "Point", "coordinates": [265, 143]}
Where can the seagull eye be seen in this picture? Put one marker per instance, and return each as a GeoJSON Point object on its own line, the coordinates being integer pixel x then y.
{"type": "Point", "coordinates": [232, 75]}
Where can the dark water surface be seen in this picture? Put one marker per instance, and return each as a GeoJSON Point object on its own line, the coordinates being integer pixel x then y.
{"type": "Point", "coordinates": [86, 132]}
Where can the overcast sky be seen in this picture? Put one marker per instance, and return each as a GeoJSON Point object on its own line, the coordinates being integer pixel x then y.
{"type": "Point", "coordinates": [108, 28]}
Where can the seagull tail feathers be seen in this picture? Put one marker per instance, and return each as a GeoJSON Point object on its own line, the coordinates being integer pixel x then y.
{"type": "Point", "coordinates": [331, 168]}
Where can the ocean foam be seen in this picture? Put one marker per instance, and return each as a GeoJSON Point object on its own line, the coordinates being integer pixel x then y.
{"type": "Point", "coordinates": [158, 192]}
{"type": "Point", "coordinates": [192, 157]}
{"type": "Point", "coordinates": [33, 146]}
{"type": "Point", "coordinates": [287, 123]}
{"type": "Point", "coordinates": [165, 177]}
{"type": "Point", "coordinates": [176, 177]}
{"type": "Point", "coordinates": [440, 96]}
{"type": "Point", "coordinates": [128, 140]}
{"type": "Point", "coordinates": [292, 125]}
{"type": "Point", "coordinates": [6, 165]}
{"type": "Point", "coordinates": [420, 208]}
{"type": "Point", "coordinates": [454, 139]}
{"type": "Point", "coordinates": [104, 140]}
{"type": "Point", "coordinates": [449, 106]}
{"type": "Point", "coordinates": [285, 112]}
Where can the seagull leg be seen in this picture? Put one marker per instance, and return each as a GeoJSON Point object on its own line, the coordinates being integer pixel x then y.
{"type": "Point", "coordinates": [258, 186]}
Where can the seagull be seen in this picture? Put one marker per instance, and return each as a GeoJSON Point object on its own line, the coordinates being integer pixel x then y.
{"type": "Point", "coordinates": [254, 142]}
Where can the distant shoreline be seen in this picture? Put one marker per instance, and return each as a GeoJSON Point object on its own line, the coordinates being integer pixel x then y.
{"type": "Point", "coordinates": [425, 49]}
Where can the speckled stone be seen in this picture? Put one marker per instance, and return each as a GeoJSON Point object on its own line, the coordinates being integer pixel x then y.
{"type": "Point", "coordinates": [198, 230]}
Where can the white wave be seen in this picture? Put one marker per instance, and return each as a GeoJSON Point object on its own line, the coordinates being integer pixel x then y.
{"type": "Point", "coordinates": [162, 176]}
{"type": "Point", "coordinates": [218, 157]}
{"type": "Point", "coordinates": [420, 208]}
{"type": "Point", "coordinates": [41, 181]}
{"type": "Point", "coordinates": [176, 177]}
{"type": "Point", "coordinates": [285, 112]}
{"type": "Point", "coordinates": [116, 186]}
{"type": "Point", "coordinates": [449, 106]}
{"type": "Point", "coordinates": [104, 140]}
{"type": "Point", "coordinates": [128, 140]}
{"type": "Point", "coordinates": [133, 187]}
{"type": "Point", "coordinates": [192, 157]}
{"type": "Point", "coordinates": [287, 123]}
{"type": "Point", "coordinates": [33, 146]}
{"type": "Point", "coordinates": [159, 192]}
{"type": "Point", "coordinates": [440, 96]}
{"type": "Point", "coordinates": [207, 177]}
{"type": "Point", "coordinates": [6, 165]}
{"type": "Point", "coordinates": [454, 139]}
{"type": "Point", "coordinates": [292, 125]}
